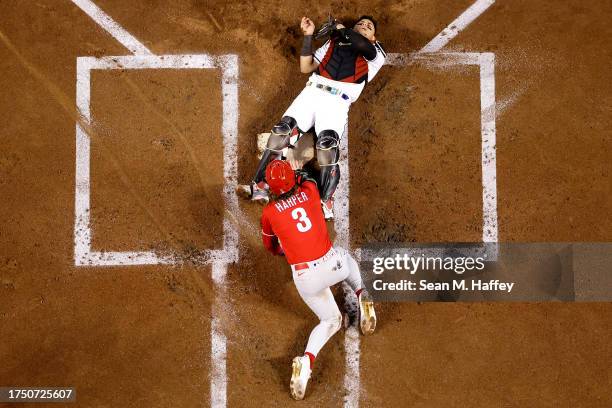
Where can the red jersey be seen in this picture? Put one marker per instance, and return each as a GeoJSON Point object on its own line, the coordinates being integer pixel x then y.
{"type": "Point", "coordinates": [298, 223]}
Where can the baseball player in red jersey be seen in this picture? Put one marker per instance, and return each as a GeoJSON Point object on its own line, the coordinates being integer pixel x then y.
{"type": "Point", "coordinates": [293, 225]}
{"type": "Point", "coordinates": [340, 70]}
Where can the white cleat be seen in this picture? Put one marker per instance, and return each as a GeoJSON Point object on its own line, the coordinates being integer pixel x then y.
{"type": "Point", "coordinates": [328, 209]}
{"type": "Point", "coordinates": [254, 193]}
{"type": "Point", "coordinates": [367, 315]}
{"type": "Point", "coordinates": [260, 195]}
{"type": "Point", "coordinates": [245, 191]}
{"type": "Point", "coordinates": [299, 377]}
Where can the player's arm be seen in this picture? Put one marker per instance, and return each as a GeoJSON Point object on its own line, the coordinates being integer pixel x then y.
{"type": "Point", "coordinates": [307, 63]}
{"type": "Point", "coordinates": [358, 42]}
{"type": "Point", "coordinates": [270, 241]}
{"type": "Point", "coordinates": [308, 183]}
{"type": "Point", "coordinates": [302, 176]}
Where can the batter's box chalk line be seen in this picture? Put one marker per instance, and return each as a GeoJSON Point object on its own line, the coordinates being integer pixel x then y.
{"type": "Point", "coordinates": [228, 64]}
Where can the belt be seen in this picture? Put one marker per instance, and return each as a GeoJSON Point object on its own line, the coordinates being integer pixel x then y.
{"type": "Point", "coordinates": [329, 89]}
{"type": "Point", "coordinates": [307, 265]}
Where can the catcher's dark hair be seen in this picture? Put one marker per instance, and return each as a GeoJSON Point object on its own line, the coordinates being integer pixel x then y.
{"type": "Point", "coordinates": [365, 17]}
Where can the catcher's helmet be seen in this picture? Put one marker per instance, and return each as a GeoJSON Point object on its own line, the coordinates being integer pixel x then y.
{"type": "Point", "coordinates": [280, 177]}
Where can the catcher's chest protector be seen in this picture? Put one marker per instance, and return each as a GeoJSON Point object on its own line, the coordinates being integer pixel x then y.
{"type": "Point", "coordinates": [343, 64]}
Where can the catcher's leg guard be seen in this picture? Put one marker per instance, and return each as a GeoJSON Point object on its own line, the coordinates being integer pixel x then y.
{"type": "Point", "coordinates": [278, 140]}
{"type": "Point", "coordinates": [328, 154]}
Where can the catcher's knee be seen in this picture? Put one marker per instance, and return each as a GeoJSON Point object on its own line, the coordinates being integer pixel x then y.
{"type": "Point", "coordinates": [328, 148]}
{"type": "Point", "coordinates": [281, 134]}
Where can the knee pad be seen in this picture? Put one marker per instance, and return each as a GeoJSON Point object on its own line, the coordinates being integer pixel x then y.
{"type": "Point", "coordinates": [328, 148]}
{"type": "Point", "coordinates": [279, 139]}
{"type": "Point", "coordinates": [281, 134]}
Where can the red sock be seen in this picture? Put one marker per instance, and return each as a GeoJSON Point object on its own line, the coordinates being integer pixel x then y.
{"type": "Point", "coordinates": [311, 357]}
{"type": "Point", "coordinates": [358, 292]}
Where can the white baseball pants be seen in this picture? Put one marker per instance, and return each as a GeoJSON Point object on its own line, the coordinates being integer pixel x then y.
{"type": "Point", "coordinates": [313, 285]}
{"type": "Point", "coordinates": [318, 108]}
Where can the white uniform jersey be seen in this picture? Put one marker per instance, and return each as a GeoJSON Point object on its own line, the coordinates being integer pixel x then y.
{"type": "Point", "coordinates": [352, 90]}
{"type": "Point", "coordinates": [322, 110]}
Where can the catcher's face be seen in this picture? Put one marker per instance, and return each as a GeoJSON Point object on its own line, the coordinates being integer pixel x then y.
{"type": "Point", "coordinates": [366, 28]}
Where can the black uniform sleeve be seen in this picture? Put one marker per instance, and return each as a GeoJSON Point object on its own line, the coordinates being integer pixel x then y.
{"type": "Point", "coordinates": [359, 43]}
{"type": "Point", "coordinates": [303, 176]}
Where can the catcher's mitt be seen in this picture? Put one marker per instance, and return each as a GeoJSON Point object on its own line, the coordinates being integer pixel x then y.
{"type": "Point", "coordinates": [327, 28]}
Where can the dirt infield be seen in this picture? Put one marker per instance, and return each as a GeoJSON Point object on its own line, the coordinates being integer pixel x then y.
{"type": "Point", "coordinates": [136, 336]}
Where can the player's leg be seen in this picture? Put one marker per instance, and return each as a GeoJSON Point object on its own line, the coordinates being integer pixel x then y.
{"type": "Point", "coordinates": [279, 138]}
{"type": "Point", "coordinates": [331, 119]}
{"type": "Point", "coordinates": [353, 275]}
{"type": "Point", "coordinates": [324, 306]}
{"type": "Point", "coordinates": [328, 154]}
{"type": "Point", "coordinates": [298, 118]}
{"type": "Point", "coordinates": [322, 303]}
{"type": "Point", "coordinates": [367, 314]}
{"type": "Point", "coordinates": [313, 286]}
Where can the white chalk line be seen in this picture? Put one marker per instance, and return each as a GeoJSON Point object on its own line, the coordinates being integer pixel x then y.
{"type": "Point", "coordinates": [489, 170]}
{"type": "Point", "coordinates": [457, 25]}
{"type": "Point", "coordinates": [229, 89]}
{"type": "Point", "coordinates": [84, 255]}
{"type": "Point", "coordinates": [218, 375]}
{"type": "Point", "coordinates": [489, 149]}
{"type": "Point", "coordinates": [503, 104]}
{"type": "Point", "coordinates": [352, 375]}
{"type": "Point", "coordinates": [82, 232]}
{"type": "Point", "coordinates": [342, 226]}
{"type": "Point", "coordinates": [486, 63]}
{"type": "Point", "coordinates": [110, 26]}
{"type": "Point", "coordinates": [218, 258]}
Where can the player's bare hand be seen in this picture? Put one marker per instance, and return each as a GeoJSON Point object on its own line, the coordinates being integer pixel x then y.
{"type": "Point", "coordinates": [307, 26]}
{"type": "Point", "coordinates": [339, 26]}
{"type": "Point", "coordinates": [296, 164]}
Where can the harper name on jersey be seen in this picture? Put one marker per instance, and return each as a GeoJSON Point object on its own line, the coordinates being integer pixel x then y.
{"type": "Point", "coordinates": [291, 201]}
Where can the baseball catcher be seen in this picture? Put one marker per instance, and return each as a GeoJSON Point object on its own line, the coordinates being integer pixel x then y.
{"type": "Point", "coordinates": [340, 69]}
{"type": "Point", "coordinates": [294, 218]}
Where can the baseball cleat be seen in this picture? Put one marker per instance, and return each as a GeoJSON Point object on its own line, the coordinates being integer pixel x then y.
{"type": "Point", "coordinates": [253, 192]}
{"type": "Point", "coordinates": [245, 191]}
{"type": "Point", "coordinates": [260, 194]}
{"type": "Point", "coordinates": [367, 315]}
{"type": "Point", "coordinates": [328, 209]}
{"type": "Point", "coordinates": [299, 377]}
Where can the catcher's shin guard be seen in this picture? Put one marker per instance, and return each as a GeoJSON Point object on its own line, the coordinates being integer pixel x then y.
{"type": "Point", "coordinates": [328, 154]}
{"type": "Point", "coordinates": [278, 140]}
{"type": "Point", "coordinates": [329, 179]}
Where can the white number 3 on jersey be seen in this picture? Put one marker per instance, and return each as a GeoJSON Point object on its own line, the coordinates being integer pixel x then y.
{"type": "Point", "coordinates": [303, 222]}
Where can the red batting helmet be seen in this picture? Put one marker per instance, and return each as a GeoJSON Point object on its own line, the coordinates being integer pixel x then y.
{"type": "Point", "coordinates": [280, 177]}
